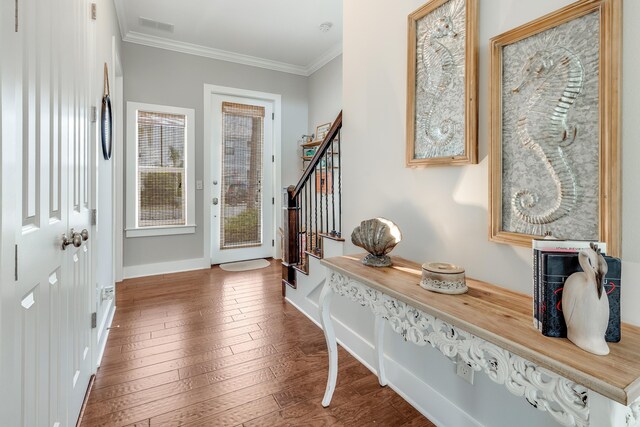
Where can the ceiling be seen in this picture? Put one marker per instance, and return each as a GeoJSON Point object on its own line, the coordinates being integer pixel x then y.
{"type": "Point", "coordinates": [282, 35]}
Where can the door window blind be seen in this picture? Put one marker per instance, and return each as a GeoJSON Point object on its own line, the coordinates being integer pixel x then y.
{"type": "Point", "coordinates": [161, 169]}
{"type": "Point", "coordinates": [242, 158]}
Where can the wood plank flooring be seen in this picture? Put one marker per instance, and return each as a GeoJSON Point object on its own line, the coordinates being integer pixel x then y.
{"type": "Point", "coordinates": [216, 348]}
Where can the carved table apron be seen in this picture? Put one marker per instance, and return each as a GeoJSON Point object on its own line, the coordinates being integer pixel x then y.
{"type": "Point", "coordinates": [569, 403]}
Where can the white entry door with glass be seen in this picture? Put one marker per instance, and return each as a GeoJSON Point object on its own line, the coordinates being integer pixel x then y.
{"type": "Point", "coordinates": [242, 179]}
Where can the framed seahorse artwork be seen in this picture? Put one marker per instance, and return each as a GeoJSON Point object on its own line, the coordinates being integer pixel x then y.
{"type": "Point", "coordinates": [554, 158]}
{"type": "Point", "coordinates": [442, 84]}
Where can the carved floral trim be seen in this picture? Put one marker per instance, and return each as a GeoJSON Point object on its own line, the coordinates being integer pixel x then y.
{"type": "Point", "coordinates": [633, 414]}
{"type": "Point", "coordinates": [565, 400]}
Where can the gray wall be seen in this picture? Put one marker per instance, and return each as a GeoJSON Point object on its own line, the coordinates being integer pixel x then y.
{"type": "Point", "coordinates": [159, 76]}
{"type": "Point", "coordinates": [325, 93]}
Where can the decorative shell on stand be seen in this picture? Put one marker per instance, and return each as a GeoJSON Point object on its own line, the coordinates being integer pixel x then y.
{"type": "Point", "coordinates": [378, 236]}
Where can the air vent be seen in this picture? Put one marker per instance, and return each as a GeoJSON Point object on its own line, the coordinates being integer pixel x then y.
{"type": "Point", "coordinates": [152, 23]}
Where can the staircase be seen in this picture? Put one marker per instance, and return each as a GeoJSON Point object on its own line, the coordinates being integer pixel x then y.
{"type": "Point", "coordinates": [313, 211]}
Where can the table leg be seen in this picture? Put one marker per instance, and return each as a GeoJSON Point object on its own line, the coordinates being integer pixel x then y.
{"type": "Point", "coordinates": [332, 346]}
{"type": "Point", "coordinates": [379, 348]}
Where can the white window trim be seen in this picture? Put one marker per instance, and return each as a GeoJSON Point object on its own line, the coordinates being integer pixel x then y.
{"type": "Point", "coordinates": [132, 230]}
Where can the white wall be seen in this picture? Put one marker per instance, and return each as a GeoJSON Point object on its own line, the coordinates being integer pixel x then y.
{"type": "Point", "coordinates": [325, 93]}
{"type": "Point", "coordinates": [164, 77]}
{"type": "Point", "coordinates": [443, 211]}
{"type": "Point", "coordinates": [109, 44]}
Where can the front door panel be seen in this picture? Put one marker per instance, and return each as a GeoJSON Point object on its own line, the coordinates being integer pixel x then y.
{"type": "Point", "coordinates": [242, 211]}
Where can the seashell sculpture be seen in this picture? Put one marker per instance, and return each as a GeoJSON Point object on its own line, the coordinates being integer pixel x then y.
{"type": "Point", "coordinates": [378, 236]}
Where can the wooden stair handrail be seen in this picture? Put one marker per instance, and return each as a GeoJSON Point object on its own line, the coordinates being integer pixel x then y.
{"type": "Point", "coordinates": [291, 257]}
{"type": "Point", "coordinates": [320, 152]}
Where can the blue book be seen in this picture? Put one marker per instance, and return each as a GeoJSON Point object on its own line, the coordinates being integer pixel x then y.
{"type": "Point", "coordinates": [557, 267]}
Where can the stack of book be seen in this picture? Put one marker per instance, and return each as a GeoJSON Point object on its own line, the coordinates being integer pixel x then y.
{"type": "Point", "coordinates": [553, 262]}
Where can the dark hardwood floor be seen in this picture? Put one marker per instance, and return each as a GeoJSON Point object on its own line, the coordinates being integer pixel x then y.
{"type": "Point", "coordinates": [214, 348]}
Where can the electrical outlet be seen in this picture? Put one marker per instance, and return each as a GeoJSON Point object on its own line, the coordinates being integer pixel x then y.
{"type": "Point", "coordinates": [464, 370]}
{"type": "Point", "coordinates": [108, 293]}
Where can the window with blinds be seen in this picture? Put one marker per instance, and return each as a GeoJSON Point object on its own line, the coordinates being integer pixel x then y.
{"type": "Point", "coordinates": [161, 169]}
{"type": "Point", "coordinates": [242, 159]}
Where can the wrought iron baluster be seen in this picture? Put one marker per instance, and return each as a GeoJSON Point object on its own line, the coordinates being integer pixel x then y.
{"type": "Point", "coordinates": [319, 181]}
{"type": "Point", "coordinates": [333, 197]}
{"type": "Point", "coordinates": [315, 194]}
{"type": "Point", "coordinates": [309, 231]}
{"type": "Point", "coordinates": [299, 226]}
{"type": "Point", "coordinates": [326, 186]}
{"type": "Point", "coordinates": [339, 231]}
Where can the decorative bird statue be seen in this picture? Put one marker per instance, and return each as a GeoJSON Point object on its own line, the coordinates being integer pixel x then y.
{"type": "Point", "coordinates": [585, 304]}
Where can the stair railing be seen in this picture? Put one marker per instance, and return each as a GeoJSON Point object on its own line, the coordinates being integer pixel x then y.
{"type": "Point", "coordinates": [313, 207]}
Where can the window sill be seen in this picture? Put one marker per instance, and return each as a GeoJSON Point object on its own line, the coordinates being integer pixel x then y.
{"type": "Point", "coordinates": [160, 231]}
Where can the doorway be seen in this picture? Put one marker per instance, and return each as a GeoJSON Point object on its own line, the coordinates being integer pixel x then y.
{"type": "Point", "coordinates": [242, 178]}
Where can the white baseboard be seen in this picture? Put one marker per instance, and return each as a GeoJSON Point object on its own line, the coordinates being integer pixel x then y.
{"type": "Point", "coordinates": [103, 331]}
{"type": "Point", "coordinates": [433, 405]}
{"type": "Point", "coordinates": [133, 271]}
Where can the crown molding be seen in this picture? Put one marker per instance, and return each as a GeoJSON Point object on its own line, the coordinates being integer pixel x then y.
{"type": "Point", "coordinates": [324, 59]}
{"type": "Point", "coordinates": [122, 19]}
{"type": "Point", "coordinates": [208, 52]}
{"type": "Point", "coordinates": [222, 55]}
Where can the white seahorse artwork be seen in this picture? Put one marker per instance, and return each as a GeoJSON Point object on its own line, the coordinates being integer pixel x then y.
{"type": "Point", "coordinates": [440, 89]}
{"type": "Point", "coordinates": [550, 138]}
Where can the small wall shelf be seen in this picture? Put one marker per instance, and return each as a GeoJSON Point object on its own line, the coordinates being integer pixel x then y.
{"type": "Point", "coordinates": [311, 144]}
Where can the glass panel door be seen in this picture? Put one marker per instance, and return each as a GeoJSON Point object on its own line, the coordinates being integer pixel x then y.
{"type": "Point", "coordinates": [242, 158]}
{"type": "Point", "coordinates": [242, 172]}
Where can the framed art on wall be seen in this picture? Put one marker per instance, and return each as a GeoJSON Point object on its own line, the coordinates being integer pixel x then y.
{"type": "Point", "coordinates": [442, 104]}
{"type": "Point", "coordinates": [555, 127]}
{"type": "Point", "coordinates": [322, 131]}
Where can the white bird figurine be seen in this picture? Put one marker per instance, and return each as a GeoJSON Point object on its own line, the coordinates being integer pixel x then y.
{"type": "Point", "coordinates": [585, 304]}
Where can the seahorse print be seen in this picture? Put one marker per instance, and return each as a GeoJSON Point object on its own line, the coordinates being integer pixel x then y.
{"type": "Point", "coordinates": [439, 62]}
{"type": "Point", "coordinates": [440, 82]}
{"type": "Point", "coordinates": [542, 126]}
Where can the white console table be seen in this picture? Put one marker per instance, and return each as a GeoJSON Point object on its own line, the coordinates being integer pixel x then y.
{"type": "Point", "coordinates": [490, 328]}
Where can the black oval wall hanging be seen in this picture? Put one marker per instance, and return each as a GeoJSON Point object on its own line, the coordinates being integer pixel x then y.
{"type": "Point", "coordinates": [106, 119]}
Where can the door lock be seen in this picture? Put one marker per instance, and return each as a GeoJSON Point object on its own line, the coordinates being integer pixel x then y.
{"type": "Point", "coordinates": [215, 201]}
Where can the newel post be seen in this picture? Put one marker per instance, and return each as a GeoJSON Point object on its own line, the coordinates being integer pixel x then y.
{"type": "Point", "coordinates": [291, 252]}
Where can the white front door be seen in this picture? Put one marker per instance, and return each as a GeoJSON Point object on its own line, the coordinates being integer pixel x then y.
{"type": "Point", "coordinates": [242, 179]}
{"type": "Point", "coordinates": [45, 295]}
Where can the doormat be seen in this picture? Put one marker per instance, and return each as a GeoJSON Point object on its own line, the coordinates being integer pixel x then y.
{"type": "Point", "coordinates": [254, 264]}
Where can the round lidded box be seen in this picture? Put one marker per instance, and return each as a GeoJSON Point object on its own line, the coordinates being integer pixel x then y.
{"type": "Point", "coordinates": [443, 278]}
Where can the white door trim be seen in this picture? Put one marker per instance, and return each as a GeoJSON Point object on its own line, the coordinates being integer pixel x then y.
{"type": "Point", "coordinates": [209, 91]}
{"type": "Point", "coordinates": [118, 159]}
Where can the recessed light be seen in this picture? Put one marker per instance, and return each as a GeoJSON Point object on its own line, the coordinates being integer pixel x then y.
{"type": "Point", "coordinates": [325, 26]}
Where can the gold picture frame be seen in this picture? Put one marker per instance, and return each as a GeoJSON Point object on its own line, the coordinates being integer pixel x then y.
{"type": "Point", "coordinates": [460, 96]}
{"type": "Point", "coordinates": [570, 154]}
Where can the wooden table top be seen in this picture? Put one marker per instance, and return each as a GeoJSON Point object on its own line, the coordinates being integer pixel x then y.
{"type": "Point", "coordinates": [503, 317]}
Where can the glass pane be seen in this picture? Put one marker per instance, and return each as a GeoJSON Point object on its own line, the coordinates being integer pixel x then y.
{"type": "Point", "coordinates": [241, 201]}
{"type": "Point", "coordinates": [161, 169]}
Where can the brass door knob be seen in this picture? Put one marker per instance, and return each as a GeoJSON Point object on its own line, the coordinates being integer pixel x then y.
{"type": "Point", "coordinates": [84, 234]}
